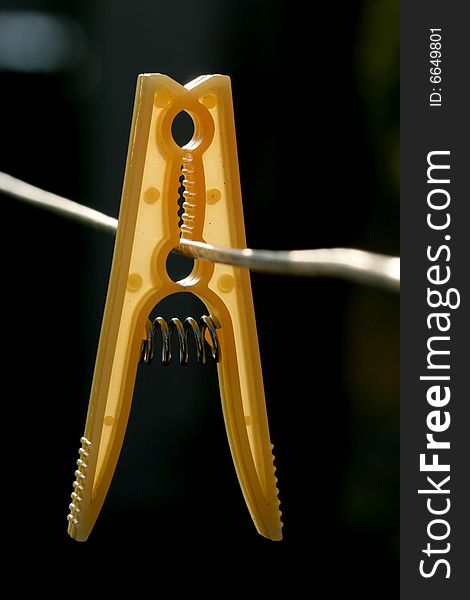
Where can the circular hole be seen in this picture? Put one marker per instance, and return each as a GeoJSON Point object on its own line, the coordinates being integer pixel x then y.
{"type": "Point", "coordinates": [178, 267]}
{"type": "Point", "coordinates": [182, 128]}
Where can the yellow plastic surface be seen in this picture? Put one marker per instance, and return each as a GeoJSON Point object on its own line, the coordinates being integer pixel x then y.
{"type": "Point", "coordinates": [148, 230]}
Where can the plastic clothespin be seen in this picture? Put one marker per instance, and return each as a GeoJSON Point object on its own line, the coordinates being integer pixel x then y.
{"type": "Point", "coordinates": [148, 231]}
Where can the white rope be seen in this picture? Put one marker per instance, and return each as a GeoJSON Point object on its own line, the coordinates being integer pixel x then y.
{"type": "Point", "coordinates": [57, 204]}
{"type": "Point", "coordinates": [346, 263]}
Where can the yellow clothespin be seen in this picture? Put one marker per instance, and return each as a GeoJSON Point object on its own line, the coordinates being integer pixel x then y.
{"type": "Point", "coordinates": [148, 231]}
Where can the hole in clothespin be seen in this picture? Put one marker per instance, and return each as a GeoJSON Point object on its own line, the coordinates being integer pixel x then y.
{"type": "Point", "coordinates": [182, 128]}
{"type": "Point", "coordinates": [181, 190]}
{"type": "Point", "coordinates": [179, 267]}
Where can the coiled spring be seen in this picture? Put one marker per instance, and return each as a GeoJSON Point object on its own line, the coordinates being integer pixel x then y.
{"type": "Point", "coordinates": [159, 325]}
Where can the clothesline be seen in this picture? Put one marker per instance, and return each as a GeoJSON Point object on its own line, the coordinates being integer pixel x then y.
{"type": "Point", "coordinates": [347, 263]}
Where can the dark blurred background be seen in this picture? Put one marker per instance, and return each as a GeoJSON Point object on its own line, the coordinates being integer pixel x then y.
{"type": "Point", "coordinates": [316, 110]}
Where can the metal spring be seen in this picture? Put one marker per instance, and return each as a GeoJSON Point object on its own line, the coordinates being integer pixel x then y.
{"type": "Point", "coordinates": [166, 330]}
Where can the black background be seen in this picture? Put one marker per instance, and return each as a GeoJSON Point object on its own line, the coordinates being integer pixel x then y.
{"type": "Point", "coordinates": [316, 110]}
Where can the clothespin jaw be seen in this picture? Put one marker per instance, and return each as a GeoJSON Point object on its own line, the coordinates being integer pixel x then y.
{"type": "Point", "coordinates": [148, 230]}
